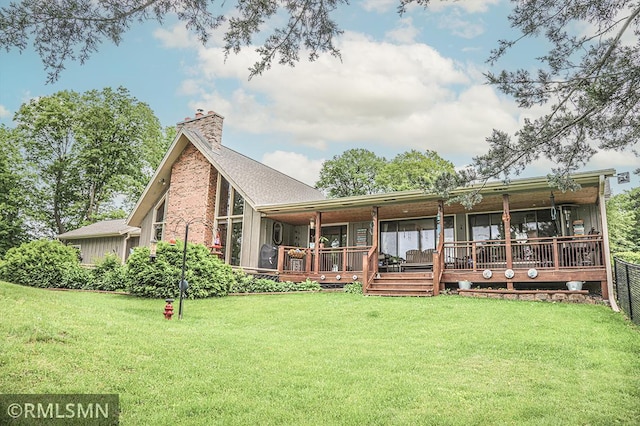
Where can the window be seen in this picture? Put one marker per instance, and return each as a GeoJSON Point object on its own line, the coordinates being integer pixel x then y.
{"type": "Point", "coordinates": [486, 227]}
{"type": "Point", "coordinates": [159, 220]}
{"type": "Point", "coordinates": [230, 209]}
{"type": "Point", "coordinates": [399, 236]}
{"type": "Point", "coordinates": [524, 225]}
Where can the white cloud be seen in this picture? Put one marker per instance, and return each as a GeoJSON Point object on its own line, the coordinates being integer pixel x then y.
{"type": "Point", "coordinates": [469, 6]}
{"type": "Point", "coordinates": [396, 95]}
{"type": "Point", "coordinates": [379, 6]}
{"type": "Point", "coordinates": [406, 32]}
{"type": "Point", "coordinates": [4, 112]}
{"type": "Point", "coordinates": [176, 37]}
{"type": "Point", "coordinates": [383, 96]}
{"type": "Point", "coordinates": [295, 165]}
{"type": "Point", "coordinates": [459, 26]}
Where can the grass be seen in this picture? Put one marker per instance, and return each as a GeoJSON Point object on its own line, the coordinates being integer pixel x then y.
{"type": "Point", "coordinates": [326, 358]}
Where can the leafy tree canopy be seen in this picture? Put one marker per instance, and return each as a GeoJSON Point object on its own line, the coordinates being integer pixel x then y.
{"type": "Point", "coordinates": [74, 29]}
{"type": "Point", "coordinates": [623, 217]}
{"type": "Point", "coordinates": [352, 173]}
{"type": "Point", "coordinates": [12, 192]}
{"type": "Point", "coordinates": [412, 170]}
{"type": "Point", "coordinates": [86, 151]}
{"type": "Point", "coordinates": [361, 172]}
{"type": "Point", "coordinates": [588, 79]}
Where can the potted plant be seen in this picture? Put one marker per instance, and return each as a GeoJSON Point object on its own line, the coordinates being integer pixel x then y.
{"type": "Point", "coordinates": [322, 240]}
{"type": "Point", "coordinates": [296, 253]}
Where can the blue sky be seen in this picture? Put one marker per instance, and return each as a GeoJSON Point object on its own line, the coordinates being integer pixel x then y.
{"type": "Point", "coordinates": [411, 82]}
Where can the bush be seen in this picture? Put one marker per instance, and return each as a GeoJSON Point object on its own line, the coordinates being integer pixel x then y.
{"type": "Point", "coordinates": [628, 256]}
{"type": "Point", "coordinates": [41, 263]}
{"type": "Point", "coordinates": [353, 288]}
{"type": "Point", "coordinates": [108, 275]}
{"type": "Point", "coordinates": [206, 275]}
{"type": "Point", "coordinates": [250, 284]}
{"type": "Point", "coordinates": [76, 278]}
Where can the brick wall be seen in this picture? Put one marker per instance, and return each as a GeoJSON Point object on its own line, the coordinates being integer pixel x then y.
{"type": "Point", "coordinates": [192, 195]}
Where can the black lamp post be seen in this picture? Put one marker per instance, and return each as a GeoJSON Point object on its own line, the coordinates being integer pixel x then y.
{"type": "Point", "coordinates": [183, 284]}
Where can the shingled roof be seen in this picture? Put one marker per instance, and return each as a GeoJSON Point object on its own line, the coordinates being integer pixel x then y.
{"type": "Point", "coordinates": [106, 228]}
{"type": "Point", "coordinates": [257, 183]}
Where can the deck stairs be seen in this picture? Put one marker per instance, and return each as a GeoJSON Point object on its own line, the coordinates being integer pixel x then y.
{"type": "Point", "coordinates": [402, 284]}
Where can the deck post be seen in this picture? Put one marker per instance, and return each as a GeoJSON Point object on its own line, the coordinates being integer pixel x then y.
{"type": "Point", "coordinates": [438, 256]}
{"type": "Point", "coordinates": [374, 237]}
{"type": "Point", "coordinates": [506, 219]}
{"type": "Point", "coordinates": [316, 245]}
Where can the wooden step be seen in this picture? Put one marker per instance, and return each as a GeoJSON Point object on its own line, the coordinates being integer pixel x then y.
{"type": "Point", "coordinates": [401, 284]}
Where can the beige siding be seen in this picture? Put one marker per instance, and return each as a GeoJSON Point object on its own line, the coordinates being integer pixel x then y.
{"type": "Point", "coordinates": [94, 249]}
{"type": "Point", "coordinates": [146, 229]}
{"type": "Point", "coordinates": [250, 237]}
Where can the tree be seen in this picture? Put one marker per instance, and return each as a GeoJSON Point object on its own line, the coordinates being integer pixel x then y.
{"type": "Point", "coordinates": [589, 79]}
{"type": "Point", "coordinates": [412, 170]}
{"type": "Point", "coordinates": [12, 192]}
{"type": "Point", "coordinates": [86, 151]}
{"type": "Point", "coordinates": [352, 173]}
{"type": "Point", "coordinates": [74, 29]}
{"type": "Point", "coordinates": [113, 130]}
{"type": "Point", "coordinates": [623, 217]}
{"type": "Point", "coordinates": [48, 125]}
{"type": "Point", "coordinates": [590, 83]}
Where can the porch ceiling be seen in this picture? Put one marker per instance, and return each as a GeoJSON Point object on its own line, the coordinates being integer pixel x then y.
{"type": "Point", "coordinates": [398, 209]}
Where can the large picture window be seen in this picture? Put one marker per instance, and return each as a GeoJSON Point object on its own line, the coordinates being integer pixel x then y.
{"type": "Point", "coordinates": [399, 236]}
{"type": "Point", "coordinates": [524, 225]}
{"type": "Point", "coordinates": [230, 209]}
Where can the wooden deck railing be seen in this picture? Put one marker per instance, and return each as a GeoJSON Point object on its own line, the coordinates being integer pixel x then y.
{"type": "Point", "coordinates": [339, 259]}
{"type": "Point", "coordinates": [542, 253]}
{"type": "Point", "coordinates": [369, 268]}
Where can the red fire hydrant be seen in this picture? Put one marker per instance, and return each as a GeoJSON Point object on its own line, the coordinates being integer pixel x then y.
{"type": "Point", "coordinates": [168, 309]}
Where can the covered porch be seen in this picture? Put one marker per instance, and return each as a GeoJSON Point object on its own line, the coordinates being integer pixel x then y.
{"type": "Point", "coordinates": [515, 251]}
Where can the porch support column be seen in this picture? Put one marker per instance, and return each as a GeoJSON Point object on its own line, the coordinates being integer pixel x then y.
{"type": "Point", "coordinates": [441, 222]}
{"type": "Point", "coordinates": [374, 238]}
{"type": "Point", "coordinates": [437, 260]}
{"type": "Point", "coordinates": [506, 219]}
{"type": "Point", "coordinates": [606, 286]}
{"type": "Point", "coordinates": [316, 245]}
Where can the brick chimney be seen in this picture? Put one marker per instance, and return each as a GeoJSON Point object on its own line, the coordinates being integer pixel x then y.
{"type": "Point", "coordinates": [209, 125]}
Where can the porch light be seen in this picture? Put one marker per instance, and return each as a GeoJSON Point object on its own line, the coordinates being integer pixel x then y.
{"type": "Point", "coordinates": [312, 223]}
{"type": "Point", "coordinates": [552, 199]}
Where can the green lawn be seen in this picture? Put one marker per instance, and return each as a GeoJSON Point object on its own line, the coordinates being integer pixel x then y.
{"type": "Point", "coordinates": [326, 358]}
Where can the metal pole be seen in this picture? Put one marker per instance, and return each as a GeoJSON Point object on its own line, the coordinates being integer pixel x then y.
{"type": "Point", "coordinates": [184, 262]}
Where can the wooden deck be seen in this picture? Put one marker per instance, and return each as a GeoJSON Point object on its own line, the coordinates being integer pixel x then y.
{"type": "Point", "coordinates": [537, 264]}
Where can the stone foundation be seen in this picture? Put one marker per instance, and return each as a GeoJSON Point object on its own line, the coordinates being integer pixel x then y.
{"type": "Point", "coordinates": [563, 296]}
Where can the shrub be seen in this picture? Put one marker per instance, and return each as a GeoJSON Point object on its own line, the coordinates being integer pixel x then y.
{"type": "Point", "coordinates": [109, 275]}
{"type": "Point", "coordinates": [41, 263]}
{"type": "Point", "coordinates": [76, 278]}
{"type": "Point", "coordinates": [206, 275]}
{"type": "Point", "coordinates": [629, 256]}
{"type": "Point", "coordinates": [251, 284]}
{"type": "Point", "coordinates": [353, 288]}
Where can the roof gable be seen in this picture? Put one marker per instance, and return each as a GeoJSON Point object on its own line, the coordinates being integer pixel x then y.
{"type": "Point", "coordinates": [105, 228]}
{"type": "Point", "coordinates": [256, 182]}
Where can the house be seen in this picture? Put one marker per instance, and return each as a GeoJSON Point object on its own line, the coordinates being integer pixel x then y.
{"type": "Point", "coordinates": [523, 238]}
{"type": "Point", "coordinates": [100, 238]}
